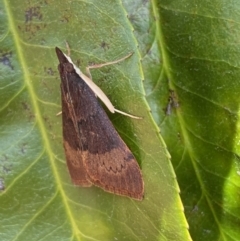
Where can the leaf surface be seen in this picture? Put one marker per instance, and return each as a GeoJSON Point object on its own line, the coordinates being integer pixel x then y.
{"type": "Point", "coordinates": [199, 42]}
{"type": "Point", "coordinates": [39, 201]}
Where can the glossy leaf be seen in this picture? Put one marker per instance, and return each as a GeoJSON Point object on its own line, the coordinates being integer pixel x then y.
{"type": "Point", "coordinates": [184, 70]}
{"type": "Point", "coordinates": [200, 74]}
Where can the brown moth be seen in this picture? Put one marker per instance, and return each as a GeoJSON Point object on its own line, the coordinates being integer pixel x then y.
{"type": "Point", "coordinates": [95, 153]}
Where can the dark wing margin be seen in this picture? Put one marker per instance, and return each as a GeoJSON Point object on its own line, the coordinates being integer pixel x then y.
{"type": "Point", "coordinates": [108, 161]}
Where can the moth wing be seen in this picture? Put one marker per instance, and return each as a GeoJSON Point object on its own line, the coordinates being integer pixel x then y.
{"type": "Point", "coordinates": [94, 151]}
{"type": "Point", "coordinates": [107, 160]}
{"type": "Point", "coordinates": [72, 146]}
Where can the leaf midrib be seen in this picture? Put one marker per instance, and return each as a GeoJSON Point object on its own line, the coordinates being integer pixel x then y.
{"type": "Point", "coordinates": [37, 112]}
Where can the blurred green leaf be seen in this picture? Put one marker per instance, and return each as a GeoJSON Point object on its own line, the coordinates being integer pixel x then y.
{"type": "Point", "coordinates": [39, 201]}
{"type": "Point", "coordinates": [199, 45]}
{"type": "Point", "coordinates": [182, 78]}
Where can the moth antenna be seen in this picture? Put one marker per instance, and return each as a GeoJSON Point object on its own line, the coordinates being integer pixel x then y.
{"type": "Point", "coordinates": [68, 48]}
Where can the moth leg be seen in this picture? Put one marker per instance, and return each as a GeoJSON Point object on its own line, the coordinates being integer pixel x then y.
{"type": "Point", "coordinates": [98, 91]}
{"type": "Point", "coordinates": [126, 114]}
{"type": "Point", "coordinates": [98, 66]}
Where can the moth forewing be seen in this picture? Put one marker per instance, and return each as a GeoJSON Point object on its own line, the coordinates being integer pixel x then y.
{"type": "Point", "coordinates": [95, 152]}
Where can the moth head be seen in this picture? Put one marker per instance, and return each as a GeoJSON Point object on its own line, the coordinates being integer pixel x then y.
{"type": "Point", "coordinates": [61, 57]}
{"type": "Point", "coordinates": [64, 64]}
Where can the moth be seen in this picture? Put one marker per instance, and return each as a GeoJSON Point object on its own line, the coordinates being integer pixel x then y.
{"type": "Point", "coordinates": [95, 153]}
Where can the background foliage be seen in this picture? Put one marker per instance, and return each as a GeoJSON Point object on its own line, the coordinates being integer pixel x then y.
{"type": "Point", "coordinates": [183, 79]}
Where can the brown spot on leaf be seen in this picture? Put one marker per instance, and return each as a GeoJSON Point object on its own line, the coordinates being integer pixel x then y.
{"type": "Point", "coordinates": [33, 13]}
{"type": "Point", "coordinates": [104, 45]}
{"type": "Point", "coordinates": [49, 71]}
{"type": "Point", "coordinates": [25, 105]}
{"type": "Point", "coordinates": [48, 122]}
{"type": "Point", "coordinates": [172, 102]}
{"type": "Point", "coordinates": [23, 148]}
{"type": "Point", "coordinates": [27, 109]}
{"type": "Point", "coordinates": [5, 59]}
{"type": "Point", "coordinates": [2, 186]}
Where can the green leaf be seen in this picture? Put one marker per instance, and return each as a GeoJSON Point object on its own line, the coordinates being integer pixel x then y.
{"type": "Point", "coordinates": [39, 201]}
{"type": "Point", "coordinates": [199, 42]}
